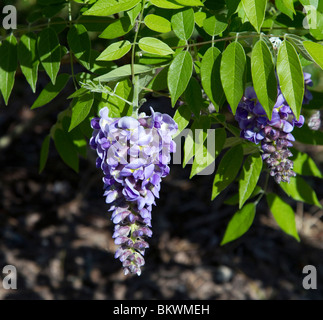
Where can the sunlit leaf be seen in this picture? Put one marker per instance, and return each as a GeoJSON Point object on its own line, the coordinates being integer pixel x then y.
{"type": "Point", "coordinates": [179, 74]}
{"type": "Point", "coordinates": [264, 77]}
{"type": "Point", "coordinates": [109, 7]}
{"type": "Point", "coordinates": [80, 44]}
{"type": "Point", "coordinates": [249, 177]}
{"type": "Point", "coordinates": [27, 56]}
{"type": "Point", "coordinates": [240, 223]}
{"type": "Point", "coordinates": [8, 66]}
{"type": "Point", "coordinates": [210, 77]}
{"type": "Point", "coordinates": [283, 214]}
{"type": "Point", "coordinates": [157, 23]}
{"type": "Point", "coordinates": [255, 11]}
{"type": "Point", "coordinates": [115, 51]}
{"type": "Point", "coordinates": [232, 71]}
{"type": "Point", "coordinates": [299, 190]}
{"type": "Point", "coordinates": [49, 51]}
{"type": "Point", "coordinates": [51, 91]}
{"type": "Point", "coordinates": [290, 75]}
{"type": "Point", "coordinates": [154, 46]}
{"type": "Point", "coordinates": [227, 170]}
{"type": "Point", "coordinates": [183, 23]}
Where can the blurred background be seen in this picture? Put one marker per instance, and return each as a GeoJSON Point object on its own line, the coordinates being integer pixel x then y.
{"type": "Point", "coordinates": [55, 228]}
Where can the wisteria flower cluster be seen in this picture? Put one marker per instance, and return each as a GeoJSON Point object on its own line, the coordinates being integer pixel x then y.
{"type": "Point", "coordinates": [134, 155]}
{"type": "Point", "coordinates": [274, 135]}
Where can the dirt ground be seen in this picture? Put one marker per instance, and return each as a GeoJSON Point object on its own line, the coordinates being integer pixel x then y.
{"type": "Point", "coordinates": [55, 228]}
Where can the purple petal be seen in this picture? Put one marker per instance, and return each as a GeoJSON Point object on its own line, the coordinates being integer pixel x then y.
{"type": "Point", "coordinates": [128, 123]}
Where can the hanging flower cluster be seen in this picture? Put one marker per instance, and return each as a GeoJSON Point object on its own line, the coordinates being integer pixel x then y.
{"type": "Point", "coordinates": [134, 155]}
{"type": "Point", "coordinates": [274, 135]}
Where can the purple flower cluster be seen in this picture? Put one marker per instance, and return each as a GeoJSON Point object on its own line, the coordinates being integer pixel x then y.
{"type": "Point", "coordinates": [134, 155]}
{"type": "Point", "coordinates": [274, 135]}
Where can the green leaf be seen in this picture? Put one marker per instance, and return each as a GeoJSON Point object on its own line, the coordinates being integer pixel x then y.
{"type": "Point", "coordinates": [179, 75]}
{"type": "Point", "coordinates": [133, 13]}
{"type": "Point", "coordinates": [58, 24]}
{"type": "Point", "coordinates": [199, 17]}
{"type": "Point", "coordinates": [115, 51]}
{"type": "Point", "coordinates": [158, 23]}
{"type": "Point", "coordinates": [304, 164]}
{"type": "Point", "coordinates": [232, 141]}
{"type": "Point", "coordinates": [66, 149]}
{"type": "Point", "coordinates": [44, 153]}
{"type": "Point", "coordinates": [51, 11]}
{"type": "Point", "coordinates": [227, 170]}
{"type": "Point", "coordinates": [241, 13]}
{"type": "Point", "coordinates": [189, 144]}
{"type": "Point", "coordinates": [313, 3]}
{"type": "Point", "coordinates": [232, 72]}
{"type": "Point", "coordinates": [232, 6]}
{"type": "Point", "coordinates": [8, 66]}
{"type": "Point", "coordinates": [205, 154]}
{"type": "Point", "coordinates": [75, 137]}
{"type": "Point", "coordinates": [51, 91]}
{"type": "Point", "coordinates": [195, 137]}
{"type": "Point", "coordinates": [99, 67]}
{"type": "Point", "coordinates": [95, 24]}
{"type": "Point", "coordinates": [249, 177]}
{"type": "Point", "coordinates": [49, 51]}
{"type": "Point", "coordinates": [314, 21]}
{"type": "Point", "coordinates": [298, 43]}
{"type": "Point", "coordinates": [215, 25]}
{"type": "Point", "coordinates": [148, 58]}
{"type": "Point", "coordinates": [193, 97]}
{"type": "Point", "coordinates": [80, 44]}
{"type": "Point", "coordinates": [264, 77]}
{"type": "Point", "coordinates": [117, 28]}
{"type": "Point", "coordinates": [167, 4]}
{"type": "Point", "coordinates": [160, 81]}
{"type": "Point", "coordinates": [109, 7]}
{"type": "Point", "coordinates": [182, 117]}
{"type": "Point", "coordinates": [286, 7]}
{"type": "Point", "coordinates": [154, 46]}
{"type": "Point", "coordinates": [78, 93]}
{"type": "Point", "coordinates": [28, 58]}
{"type": "Point", "coordinates": [210, 77]}
{"type": "Point", "coordinates": [299, 190]}
{"type": "Point", "coordinates": [191, 3]}
{"type": "Point", "coordinates": [289, 4]}
{"type": "Point", "coordinates": [81, 110]}
{"type": "Point", "coordinates": [122, 89]}
{"type": "Point", "coordinates": [183, 23]}
{"type": "Point", "coordinates": [240, 223]}
{"type": "Point", "coordinates": [123, 72]}
{"type": "Point", "coordinates": [235, 198]}
{"type": "Point", "coordinates": [283, 214]}
{"type": "Point", "coordinates": [79, 141]}
{"type": "Point", "coordinates": [290, 75]}
{"type": "Point", "coordinates": [316, 52]}
{"type": "Point", "coordinates": [255, 11]}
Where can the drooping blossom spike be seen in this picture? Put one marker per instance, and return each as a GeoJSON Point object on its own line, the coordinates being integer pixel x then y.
{"type": "Point", "coordinates": [134, 155]}
{"type": "Point", "coordinates": [274, 135]}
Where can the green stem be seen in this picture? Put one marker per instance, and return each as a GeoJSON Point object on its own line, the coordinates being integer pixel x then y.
{"type": "Point", "coordinates": [71, 55]}
{"type": "Point", "coordinates": [135, 79]}
{"type": "Point", "coordinates": [224, 39]}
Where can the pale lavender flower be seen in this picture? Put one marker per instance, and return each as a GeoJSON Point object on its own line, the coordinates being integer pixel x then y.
{"type": "Point", "coordinates": [134, 155]}
{"type": "Point", "coordinates": [275, 135]}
